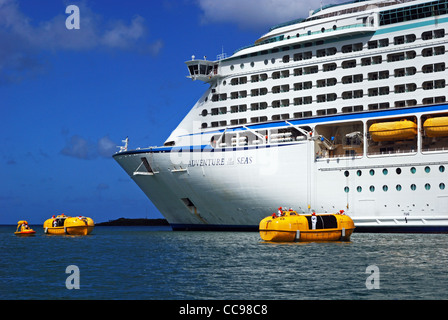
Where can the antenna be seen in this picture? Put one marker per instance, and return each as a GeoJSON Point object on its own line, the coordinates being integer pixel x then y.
{"type": "Point", "coordinates": [125, 147]}
{"type": "Point", "coordinates": [222, 55]}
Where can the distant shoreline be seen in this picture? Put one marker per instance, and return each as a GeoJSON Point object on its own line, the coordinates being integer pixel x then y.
{"type": "Point", "coordinates": [134, 222]}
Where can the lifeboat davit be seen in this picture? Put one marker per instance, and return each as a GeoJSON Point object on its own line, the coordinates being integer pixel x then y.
{"type": "Point", "coordinates": [291, 226]}
{"type": "Point", "coordinates": [63, 224]}
{"type": "Point", "coordinates": [392, 131]}
{"type": "Point", "coordinates": [436, 127]}
{"type": "Point", "coordinates": [23, 229]}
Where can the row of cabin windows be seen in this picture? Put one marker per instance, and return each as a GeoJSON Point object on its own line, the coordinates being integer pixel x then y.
{"type": "Point", "coordinates": [378, 75]}
{"type": "Point", "coordinates": [374, 44]}
{"type": "Point", "coordinates": [372, 76]}
{"type": "Point", "coordinates": [320, 112]}
{"type": "Point", "coordinates": [401, 56]}
{"type": "Point", "coordinates": [356, 47]}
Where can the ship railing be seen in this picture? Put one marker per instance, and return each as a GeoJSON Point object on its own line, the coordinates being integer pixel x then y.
{"type": "Point", "coordinates": [443, 149]}
{"type": "Point", "coordinates": [304, 35]}
{"type": "Point", "coordinates": [392, 153]}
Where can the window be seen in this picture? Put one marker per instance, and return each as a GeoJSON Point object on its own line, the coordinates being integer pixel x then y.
{"type": "Point", "coordinates": [349, 64]}
{"type": "Point", "coordinates": [329, 67]}
{"type": "Point", "coordinates": [436, 84]}
{"type": "Point", "coordinates": [413, 12]}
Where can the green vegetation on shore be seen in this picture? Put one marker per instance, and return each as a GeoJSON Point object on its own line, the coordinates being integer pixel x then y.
{"type": "Point", "coordinates": [134, 222]}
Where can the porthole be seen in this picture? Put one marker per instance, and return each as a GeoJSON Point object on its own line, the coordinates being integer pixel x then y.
{"type": "Point", "coordinates": [442, 168]}
{"type": "Point", "coordinates": [427, 186]}
{"type": "Point", "coordinates": [427, 169]}
{"type": "Point", "coordinates": [413, 170]}
{"type": "Point", "coordinates": [346, 189]}
{"type": "Point", "coordinates": [232, 67]}
{"type": "Point", "coordinates": [346, 173]}
{"type": "Point", "coordinates": [385, 188]}
{"type": "Point", "coordinates": [334, 27]}
{"type": "Point", "coordinates": [359, 173]}
{"type": "Point", "coordinates": [242, 66]}
{"type": "Point", "coordinates": [398, 187]}
{"type": "Point", "coordinates": [252, 64]}
{"type": "Point", "coordinates": [372, 188]}
{"type": "Point", "coordinates": [273, 60]}
{"type": "Point", "coordinates": [266, 61]}
{"type": "Point", "coordinates": [322, 30]}
{"type": "Point", "coordinates": [385, 171]}
{"type": "Point", "coordinates": [398, 171]}
{"type": "Point", "coordinates": [204, 112]}
{"type": "Point", "coordinates": [442, 186]}
{"type": "Point", "coordinates": [372, 172]}
{"type": "Point", "coordinates": [413, 187]}
{"type": "Point", "coordinates": [359, 188]}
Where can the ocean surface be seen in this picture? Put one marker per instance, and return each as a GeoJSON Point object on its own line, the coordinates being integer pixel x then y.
{"type": "Point", "coordinates": [157, 263]}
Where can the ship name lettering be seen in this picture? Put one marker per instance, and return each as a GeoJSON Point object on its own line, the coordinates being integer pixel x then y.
{"type": "Point", "coordinates": [244, 160]}
{"type": "Point", "coordinates": [206, 162]}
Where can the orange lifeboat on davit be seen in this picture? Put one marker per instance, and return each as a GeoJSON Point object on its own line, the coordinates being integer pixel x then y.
{"type": "Point", "coordinates": [393, 131]}
{"type": "Point", "coordinates": [436, 127]}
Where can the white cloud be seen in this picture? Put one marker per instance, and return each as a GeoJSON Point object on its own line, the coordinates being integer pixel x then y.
{"type": "Point", "coordinates": [21, 41]}
{"type": "Point", "coordinates": [121, 35]}
{"type": "Point", "coordinates": [106, 147]}
{"type": "Point", "coordinates": [81, 148]}
{"type": "Point", "coordinates": [257, 13]}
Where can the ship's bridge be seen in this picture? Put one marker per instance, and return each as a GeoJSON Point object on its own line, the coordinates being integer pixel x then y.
{"type": "Point", "coordinates": [203, 70]}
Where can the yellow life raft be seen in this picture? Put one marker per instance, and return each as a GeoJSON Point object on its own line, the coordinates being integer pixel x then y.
{"type": "Point", "coordinates": [23, 229]}
{"type": "Point", "coordinates": [291, 226]}
{"type": "Point", "coordinates": [392, 131]}
{"type": "Point", "coordinates": [63, 224]}
{"type": "Point", "coordinates": [436, 127]}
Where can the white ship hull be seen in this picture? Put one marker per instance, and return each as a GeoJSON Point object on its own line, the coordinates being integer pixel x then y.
{"type": "Point", "coordinates": [202, 188]}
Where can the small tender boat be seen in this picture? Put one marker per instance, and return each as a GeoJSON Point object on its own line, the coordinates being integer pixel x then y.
{"type": "Point", "coordinates": [63, 224]}
{"type": "Point", "coordinates": [25, 229]}
{"type": "Point", "coordinates": [291, 226]}
{"type": "Point", "coordinates": [392, 131]}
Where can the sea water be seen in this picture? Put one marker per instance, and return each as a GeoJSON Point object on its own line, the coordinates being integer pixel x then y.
{"type": "Point", "coordinates": [157, 263]}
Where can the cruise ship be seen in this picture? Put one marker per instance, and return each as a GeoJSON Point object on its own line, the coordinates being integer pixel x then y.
{"type": "Point", "coordinates": [343, 110]}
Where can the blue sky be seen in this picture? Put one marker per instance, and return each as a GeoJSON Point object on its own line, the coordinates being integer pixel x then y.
{"type": "Point", "coordinates": [68, 97]}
